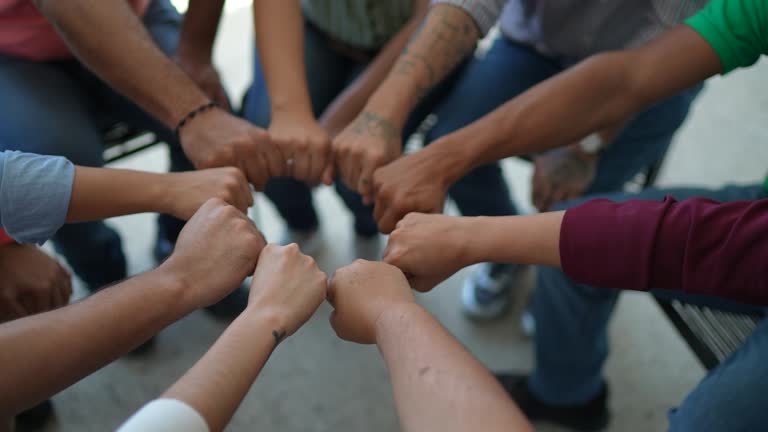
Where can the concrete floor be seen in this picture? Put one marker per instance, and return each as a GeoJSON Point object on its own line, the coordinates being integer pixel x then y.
{"type": "Point", "coordinates": [315, 382]}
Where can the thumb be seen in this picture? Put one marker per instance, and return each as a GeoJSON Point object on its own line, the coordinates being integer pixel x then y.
{"type": "Point", "coordinates": [328, 173]}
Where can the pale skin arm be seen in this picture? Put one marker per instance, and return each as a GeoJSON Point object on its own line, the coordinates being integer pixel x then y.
{"type": "Point", "coordinates": [287, 289]}
{"type": "Point", "coordinates": [138, 69]}
{"type": "Point", "coordinates": [596, 94]}
{"type": "Point", "coordinates": [217, 384]}
{"type": "Point", "coordinates": [351, 101]}
{"type": "Point", "coordinates": [437, 384]}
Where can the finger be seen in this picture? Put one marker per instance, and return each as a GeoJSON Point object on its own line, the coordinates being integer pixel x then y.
{"type": "Point", "coordinates": [222, 99]}
{"type": "Point", "coordinates": [255, 171]}
{"type": "Point", "coordinates": [380, 209]}
{"type": "Point", "coordinates": [316, 165]}
{"type": "Point", "coordinates": [388, 221]}
{"type": "Point", "coordinates": [540, 193]}
{"type": "Point", "coordinates": [66, 290]}
{"type": "Point", "coordinates": [365, 182]}
{"type": "Point", "coordinates": [245, 189]}
{"type": "Point", "coordinates": [302, 165]}
{"type": "Point", "coordinates": [334, 321]}
{"type": "Point", "coordinates": [57, 295]}
{"type": "Point", "coordinates": [29, 304]}
{"type": "Point", "coordinates": [16, 309]}
{"type": "Point", "coordinates": [328, 172]}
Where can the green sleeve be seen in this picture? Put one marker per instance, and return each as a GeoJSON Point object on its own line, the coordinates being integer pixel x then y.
{"type": "Point", "coordinates": [736, 29]}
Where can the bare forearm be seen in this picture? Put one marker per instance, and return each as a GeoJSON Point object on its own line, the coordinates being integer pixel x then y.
{"type": "Point", "coordinates": [99, 193]}
{"type": "Point", "coordinates": [46, 353]}
{"type": "Point", "coordinates": [352, 100]}
{"type": "Point", "coordinates": [217, 384]}
{"type": "Point", "coordinates": [280, 40]}
{"type": "Point", "coordinates": [531, 239]}
{"type": "Point", "coordinates": [198, 33]}
{"type": "Point", "coordinates": [128, 59]}
{"type": "Point", "coordinates": [447, 36]}
{"type": "Point", "coordinates": [598, 93]}
{"type": "Point", "coordinates": [438, 385]}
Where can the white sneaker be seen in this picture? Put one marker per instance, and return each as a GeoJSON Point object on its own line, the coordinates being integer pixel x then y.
{"type": "Point", "coordinates": [310, 242]}
{"type": "Point", "coordinates": [368, 248]}
{"type": "Point", "coordinates": [486, 293]}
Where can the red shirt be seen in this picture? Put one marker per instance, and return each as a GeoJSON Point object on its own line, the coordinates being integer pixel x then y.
{"type": "Point", "coordinates": [699, 246]}
{"type": "Point", "coordinates": [26, 33]}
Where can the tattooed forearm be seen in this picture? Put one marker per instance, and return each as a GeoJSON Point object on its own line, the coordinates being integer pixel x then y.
{"type": "Point", "coordinates": [446, 37]}
{"type": "Point", "coordinates": [370, 124]}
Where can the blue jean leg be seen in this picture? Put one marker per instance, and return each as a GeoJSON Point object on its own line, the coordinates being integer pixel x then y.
{"type": "Point", "coordinates": [43, 110]}
{"type": "Point", "coordinates": [732, 396]}
{"type": "Point", "coordinates": [642, 142]}
{"type": "Point", "coordinates": [506, 70]}
{"type": "Point", "coordinates": [327, 74]}
{"type": "Point", "coordinates": [571, 341]}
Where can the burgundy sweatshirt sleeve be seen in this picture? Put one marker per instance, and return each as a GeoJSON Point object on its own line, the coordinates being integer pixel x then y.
{"type": "Point", "coordinates": [699, 246]}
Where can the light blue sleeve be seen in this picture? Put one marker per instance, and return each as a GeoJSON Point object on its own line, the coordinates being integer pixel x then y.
{"type": "Point", "coordinates": [34, 195]}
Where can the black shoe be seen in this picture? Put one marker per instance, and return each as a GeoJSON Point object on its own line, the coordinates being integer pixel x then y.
{"type": "Point", "coordinates": [35, 417]}
{"type": "Point", "coordinates": [230, 306]}
{"type": "Point", "coordinates": [587, 417]}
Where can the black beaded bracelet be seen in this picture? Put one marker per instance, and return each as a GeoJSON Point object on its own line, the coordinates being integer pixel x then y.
{"type": "Point", "coordinates": [190, 115]}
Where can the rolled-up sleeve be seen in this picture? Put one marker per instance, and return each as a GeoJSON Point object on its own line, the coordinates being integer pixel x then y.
{"type": "Point", "coordinates": [34, 195]}
{"type": "Point", "coordinates": [484, 12]}
{"type": "Point", "coordinates": [698, 246]}
{"type": "Point", "coordinates": [165, 415]}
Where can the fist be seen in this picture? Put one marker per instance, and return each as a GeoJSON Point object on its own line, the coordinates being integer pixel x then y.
{"type": "Point", "coordinates": [370, 142]}
{"type": "Point", "coordinates": [32, 282]}
{"type": "Point", "coordinates": [186, 192]}
{"type": "Point", "coordinates": [305, 146]}
{"type": "Point", "coordinates": [360, 293]}
{"type": "Point", "coordinates": [216, 138]}
{"type": "Point", "coordinates": [287, 286]}
{"type": "Point", "coordinates": [217, 249]}
{"type": "Point", "coordinates": [429, 248]}
{"type": "Point", "coordinates": [409, 184]}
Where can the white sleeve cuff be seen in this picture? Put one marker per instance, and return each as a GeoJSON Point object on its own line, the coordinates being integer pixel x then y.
{"type": "Point", "coordinates": [165, 415]}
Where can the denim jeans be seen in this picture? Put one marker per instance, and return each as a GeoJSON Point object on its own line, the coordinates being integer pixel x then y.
{"type": "Point", "coordinates": [571, 342]}
{"type": "Point", "coordinates": [60, 108]}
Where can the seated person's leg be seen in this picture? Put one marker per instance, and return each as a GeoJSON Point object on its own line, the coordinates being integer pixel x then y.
{"type": "Point", "coordinates": [643, 141]}
{"type": "Point", "coordinates": [506, 70]}
{"type": "Point", "coordinates": [44, 111]}
{"type": "Point", "coordinates": [571, 325]}
{"type": "Point", "coordinates": [730, 397]}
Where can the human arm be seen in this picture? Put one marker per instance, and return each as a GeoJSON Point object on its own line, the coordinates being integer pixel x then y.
{"type": "Point", "coordinates": [351, 101]}
{"type": "Point", "coordinates": [598, 93]}
{"type": "Point", "coordinates": [698, 246]}
{"type": "Point", "coordinates": [437, 384]}
{"type": "Point", "coordinates": [216, 250]}
{"type": "Point", "coordinates": [130, 62]}
{"type": "Point", "coordinates": [293, 127]}
{"type": "Point", "coordinates": [38, 194]}
{"type": "Point", "coordinates": [287, 289]}
{"type": "Point", "coordinates": [195, 51]}
{"type": "Point", "coordinates": [374, 138]}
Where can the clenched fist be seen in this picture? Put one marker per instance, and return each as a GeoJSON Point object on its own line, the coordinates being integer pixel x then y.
{"type": "Point", "coordinates": [215, 138]}
{"type": "Point", "coordinates": [429, 248]}
{"type": "Point", "coordinates": [288, 287]}
{"type": "Point", "coordinates": [409, 184]}
{"type": "Point", "coordinates": [217, 249]}
{"type": "Point", "coordinates": [360, 293]}
{"type": "Point", "coordinates": [369, 142]}
{"type": "Point", "coordinates": [184, 193]}
{"type": "Point", "coordinates": [305, 146]}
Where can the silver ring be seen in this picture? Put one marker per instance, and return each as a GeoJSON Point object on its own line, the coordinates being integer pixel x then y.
{"type": "Point", "coordinates": [290, 162]}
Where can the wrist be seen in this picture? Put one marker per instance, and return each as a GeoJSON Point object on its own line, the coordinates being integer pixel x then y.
{"type": "Point", "coordinates": [395, 315]}
{"type": "Point", "coordinates": [392, 108]}
{"type": "Point", "coordinates": [265, 318]}
{"type": "Point", "coordinates": [448, 161]}
{"type": "Point", "coordinates": [171, 281]}
{"type": "Point", "coordinates": [160, 192]}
